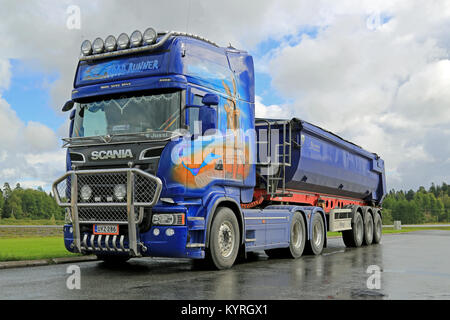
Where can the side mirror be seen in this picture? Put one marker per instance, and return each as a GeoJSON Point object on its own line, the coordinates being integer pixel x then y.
{"type": "Point", "coordinates": [208, 118]}
{"type": "Point", "coordinates": [68, 105]}
{"type": "Point", "coordinates": [72, 117]}
{"type": "Point", "coordinates": [210, 99]}
{"type": "Point", "coordinates": [72, 114]}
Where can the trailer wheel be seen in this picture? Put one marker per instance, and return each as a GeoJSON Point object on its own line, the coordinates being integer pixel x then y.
{"type": "Point", "coordinates": [315, 244]}
{"type": "Point", "coordinates": [297, 240]}
{"type": "Point", "coordinates": [224, 241]}
{"type": "Point", "coordinates": [377, 227]}
{"type": "Point", "coordinates": [354, 237]}
{"type": "Point", "coordinates": [368, 230]}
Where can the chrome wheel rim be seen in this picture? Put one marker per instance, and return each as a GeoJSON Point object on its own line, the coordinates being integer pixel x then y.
{"type": "Point", "coordinates": [226, 239]}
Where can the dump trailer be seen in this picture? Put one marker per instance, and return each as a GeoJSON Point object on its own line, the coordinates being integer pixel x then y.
{"type": "Point", "coordinates": [166, 158]}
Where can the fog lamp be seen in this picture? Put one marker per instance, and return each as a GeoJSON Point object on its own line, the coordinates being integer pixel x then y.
{"type": "Point", "coordinates": [136, 38]}
{"type": "Point", "coordinates": [120, 192]}
{"type": "Point", "coordinates": [86, 192]}
{"type": "Point", "coordinates": [110, 43]}
{"type": "Point", "coordinates": [98, 46]}
{"type": "Point", "coordinates": [123, 41]}
{"type": "Point", "coordinates": [86, 48]}
{"type": "Point", "coordinates": [150, 36]}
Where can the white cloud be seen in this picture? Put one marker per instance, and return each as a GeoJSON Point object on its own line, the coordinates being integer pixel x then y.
{"type": "Point", "coordinates": [385, 89]}
{"type": "Point", "coordinates": [271, 111]}
{"type": "Point", "coordinates": [29, 152]}
{"type": "Point", "coordinates": [5, 74]}
{"type": "Point", "coordinates": [39, 137]}
{"type": "Point", "coordinates": [425, 98]}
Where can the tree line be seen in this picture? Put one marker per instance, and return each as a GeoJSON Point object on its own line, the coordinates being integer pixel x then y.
{"type": "Point", "coordinates": [421, 206]}
{"type": "Point", "coordinates": [33, 204]}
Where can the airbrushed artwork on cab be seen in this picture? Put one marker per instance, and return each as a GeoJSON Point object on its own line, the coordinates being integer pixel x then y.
{"type": "Point", "coordinates": [224, 156]}
{"type": "Point", "coordinates": [117, 68]}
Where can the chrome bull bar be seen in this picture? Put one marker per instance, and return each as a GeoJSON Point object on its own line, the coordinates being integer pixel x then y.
{"type": "Point", "coordinates": [142, 190]}
{"type": "Point", "coordinates": [111, 244]}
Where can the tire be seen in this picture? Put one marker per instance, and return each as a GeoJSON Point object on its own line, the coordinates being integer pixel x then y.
{"type": "Point", "coordinates": [224, 240]}
{"type": "Point", "coordinates": [368, 230]}
{"type": "Point", "coordinates": [314, 246]}
{"type": "Point", "coordinates": [353, 238]}
{"type": "Point", "coordinates": [113, 259]}
{"type": "Point", "coordinates": [297, 240]}
{"type": "Point", "coordinates": [377, 227]}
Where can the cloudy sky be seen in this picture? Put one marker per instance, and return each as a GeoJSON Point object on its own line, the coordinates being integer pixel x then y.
{"type": "Point", "coordinates": [375, 72]}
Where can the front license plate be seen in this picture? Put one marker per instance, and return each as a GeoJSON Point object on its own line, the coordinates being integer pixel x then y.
{"type": "Point", "coordinates": [112, 229]}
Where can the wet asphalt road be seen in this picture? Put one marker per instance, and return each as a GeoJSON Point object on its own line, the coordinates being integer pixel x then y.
{"type": "Point", "coordinates": [413, 266]}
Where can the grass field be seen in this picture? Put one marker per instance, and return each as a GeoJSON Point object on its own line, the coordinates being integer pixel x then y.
{"type": "Point", "coordinates": [32, 248]}
{"type": "Point", "coordinates": [29, 222]}
{"type": "Point", "coordinates": [403, 230]}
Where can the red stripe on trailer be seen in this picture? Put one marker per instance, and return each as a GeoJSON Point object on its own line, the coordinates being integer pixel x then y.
{"type": "Point", "coordinates": [326, 201]}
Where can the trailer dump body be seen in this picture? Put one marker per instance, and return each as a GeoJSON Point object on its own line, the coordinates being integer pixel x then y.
{"type": "Point", "coordinates": [328, 164]}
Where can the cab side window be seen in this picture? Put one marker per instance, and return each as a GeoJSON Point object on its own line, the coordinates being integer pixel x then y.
{"type": "Point", "coordinates": [193, 114]}
{"type": "Point", "coordinates": [193, 118]}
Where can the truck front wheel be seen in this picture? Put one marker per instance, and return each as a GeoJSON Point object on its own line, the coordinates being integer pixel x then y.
{"type": "Point", "coordinates": [224, 240]}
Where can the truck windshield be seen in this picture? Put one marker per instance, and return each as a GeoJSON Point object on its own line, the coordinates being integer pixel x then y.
{"type": "Point", "coordinates": [128, 115]}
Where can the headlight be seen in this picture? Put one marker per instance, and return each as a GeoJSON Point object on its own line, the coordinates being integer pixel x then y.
{"type": "Point", "coordinates": [86, 48]}
{"type": "Point", "coordinates": [123, 41]}
{"type": "Point", "coordinates": [110, 43]}
{"type": "Point", "coordinates": [120, 192]}
{"type": "Point", "coordinates": [136, 38]}
{"type": "Point", "coordinates": [98, 46]}
{"type": "Point", "coordinates": [150, 36]}
{"type": "Point", "coordinates": [86, 192]}
{"type": "Point", "coordinates": [169, 219]}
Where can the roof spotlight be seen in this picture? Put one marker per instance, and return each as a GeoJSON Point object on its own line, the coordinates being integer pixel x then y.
{"type": "Point", "coordinates": [110, 43]}
{"type": "Point", "coordinates": [150, 36]}
{"type": "Point", "coordinates": [123, 41]}
{"type": "Point", "coordinates": [86, 48]}
{"type": "Point", "coordinates": [98, 46]}
{"type": "Point", "coordinates": [136, 38]}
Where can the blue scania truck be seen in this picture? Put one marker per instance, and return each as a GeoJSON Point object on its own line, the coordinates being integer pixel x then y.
{"type": "Point", "coordinates": [165, 158]}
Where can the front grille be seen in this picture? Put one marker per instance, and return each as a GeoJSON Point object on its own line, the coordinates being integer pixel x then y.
{"type": "Point", "coordinates": [144, 190]}
{"type": "Point", "coordinates": [105, 214]}
{"type": "Point", "coordinates": [103, 205]}
{"type": "Point", "coordinates": [102, 186]}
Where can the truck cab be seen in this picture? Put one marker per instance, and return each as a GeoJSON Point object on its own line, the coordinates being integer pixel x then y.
{"type": "Point", "coordinates": [163, 124]}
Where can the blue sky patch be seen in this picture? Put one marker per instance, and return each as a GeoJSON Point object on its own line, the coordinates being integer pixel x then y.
{"type": "Point", "coordinates": [29, 94]}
